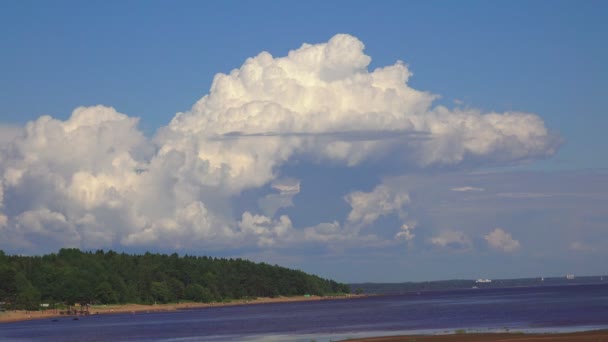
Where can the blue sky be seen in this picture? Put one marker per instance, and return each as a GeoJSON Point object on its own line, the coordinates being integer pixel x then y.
{"type": "Point", "coordinates": [525, 194]}
{"type": "Point", "coordinates": [151, 59]}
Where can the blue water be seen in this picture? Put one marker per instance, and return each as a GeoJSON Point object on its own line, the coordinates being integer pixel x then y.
{"type": "Point", "coordinates": [541, 309]}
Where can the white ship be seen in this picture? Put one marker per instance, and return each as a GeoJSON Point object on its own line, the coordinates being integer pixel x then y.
{"type": "Point", "coordinates": [483, 281]}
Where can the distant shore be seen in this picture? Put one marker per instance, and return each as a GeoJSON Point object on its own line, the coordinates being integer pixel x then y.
{"type": "Point", "coordinates": [582, 336]}
{"type": "Point", "coordinates": [22, 315]}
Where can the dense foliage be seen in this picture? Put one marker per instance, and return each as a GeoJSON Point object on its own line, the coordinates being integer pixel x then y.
{"type": "Point", "coordinates": [73, 276]}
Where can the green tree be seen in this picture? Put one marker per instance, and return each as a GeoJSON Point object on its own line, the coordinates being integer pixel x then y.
{"type": "Point", "coordinates": [27, 297]}
{"type": "Point", "coordinates": [199, 293]}
{"type": "Point", "coordinates": [73, 276]}
{"type": "Point", "coordinates": [176, 289]}
{"type": "Point", "coordinates": [7, 281]}
{"type": "Point", "coordinates": [105, 294]}
{"type": "Point", "coordinates": [160, 292]}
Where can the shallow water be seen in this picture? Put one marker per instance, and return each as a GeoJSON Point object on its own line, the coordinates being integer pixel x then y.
{"type": "Point", "coordinates": [536, 309]}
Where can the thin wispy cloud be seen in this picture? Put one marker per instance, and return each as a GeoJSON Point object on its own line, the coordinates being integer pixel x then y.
{"type": "Point", "coordinates": [467, 189]}
{"type": "Point", "coordinates": [455, 240]}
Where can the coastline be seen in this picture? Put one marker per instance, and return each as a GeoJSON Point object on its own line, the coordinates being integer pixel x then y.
{"type": "Point", "coordinates": [23, 315]}
{"type": "Point", "coordinates": [599, 334]}
{"type": "Point", "coordinates": [579, 336]}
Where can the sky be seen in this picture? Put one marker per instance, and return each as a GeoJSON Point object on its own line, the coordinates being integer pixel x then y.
{"type": "Point", "coordinates": [386, 142]}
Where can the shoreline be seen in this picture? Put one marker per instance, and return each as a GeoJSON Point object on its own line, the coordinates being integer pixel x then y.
{"type": "Point", "coordinates": [582, 336]}
{"type": "Point", "coordinates": [113, 309]}
{"type": "Point", "coordinates": [600, 334]}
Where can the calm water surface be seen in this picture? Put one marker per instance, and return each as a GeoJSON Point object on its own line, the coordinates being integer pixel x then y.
{"type": "Point", "coordinates": [543, 309]}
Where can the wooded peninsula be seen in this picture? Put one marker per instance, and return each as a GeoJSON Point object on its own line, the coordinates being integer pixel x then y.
{"type": "Point", "coordinates": [72, 276]}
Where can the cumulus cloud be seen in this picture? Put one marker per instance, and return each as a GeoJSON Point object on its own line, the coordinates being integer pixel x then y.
{"type": "Point", "coordinates": [452, 239]}
{"type": "Point", "coordinates": [95, 179]}
{"type": "Point", "coordinates": [265, 230]}
{"type": "Point", "coordinates": [3, 218]}
{"type": "Point", "coordinates": [406, 232]}
{"type": "Point", "coordinates": [304, 102]}
{"type": "Point", "coordinates": [287, 188]}
{"type": "Point", "coordinates": [336, 236]}
{"type": "Point", "coordinates": [367, 207]}
{"type": "Point", "coordinates": [325, 232]}
{"type": "Point", "coordinates": [57, 173]}
{"type": "Point", "coordinates": [501, 240]}
{"type": "Point", "coordinates": [190, 226]}
{"type": "Point", "coordinates": [8, 133]}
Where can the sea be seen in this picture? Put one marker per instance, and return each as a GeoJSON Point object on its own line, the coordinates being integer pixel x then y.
{"type": "Point", "coordinates": [565, 308]}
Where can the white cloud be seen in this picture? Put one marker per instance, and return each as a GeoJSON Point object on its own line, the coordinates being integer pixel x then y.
{"type": "Point", "coordinates": [325, 232]}
{"type": "Point", "coordinates": [367, 207]}
{"type": "Point", "coordinates": [45, 228]}
{"type": "Point", "coordinates": [337, 237]}
{"type": "Point", "coordinates": [579, 246]}
{"type": "Point", "coordinates": [406, 232]}
{"type": "Point", "coordinates": [3, 218]}
{"type": "Point", "coordinates": [287, 188]}
{"type": "Point", "coordinates": [452, 239]}
{"type": "Point", "coordinates": [8, 133]}
{"type": "Point", "coordinates": [56, 172]}
{"type": "Point", "coordinates": [266, 231]}
{"type": "Point", "coordinates": [190, 226]}
{"type": "Point", "coordinates": [94, 179]}
{"type": "Point", "coordinates": [501, 240]}
{"type": "Point", "coordinates": [467, 189]}
{"type": "Point", "coordinates": [258, 116]}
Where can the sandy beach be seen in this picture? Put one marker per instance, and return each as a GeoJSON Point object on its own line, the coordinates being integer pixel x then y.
{"type": "Point", "coordinates": [22, 315]}
{"type": "Point", "coordinates": [584, 336]}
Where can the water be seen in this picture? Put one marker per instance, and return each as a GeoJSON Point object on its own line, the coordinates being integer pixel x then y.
{"type": "Point", "coordinates": [538, 309]}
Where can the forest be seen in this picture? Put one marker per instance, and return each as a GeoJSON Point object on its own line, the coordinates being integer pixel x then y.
{"type": "Point", "coordinates": [107, 277]}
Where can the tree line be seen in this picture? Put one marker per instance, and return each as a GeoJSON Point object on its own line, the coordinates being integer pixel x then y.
{"type": "Point", "coordinates": [73, 276]}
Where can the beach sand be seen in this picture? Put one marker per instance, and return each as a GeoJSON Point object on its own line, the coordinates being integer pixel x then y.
{"type": "Point", "coordinates": [21, 315]}
{"type": "Point", "coordinates": [584, 336]}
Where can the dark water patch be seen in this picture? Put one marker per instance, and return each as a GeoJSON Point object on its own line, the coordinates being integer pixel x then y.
{"type": "Point", "coordinates": [558, 308]}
